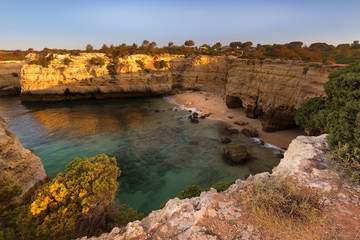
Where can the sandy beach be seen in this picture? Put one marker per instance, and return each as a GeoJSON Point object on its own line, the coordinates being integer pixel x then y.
{"type": "Point", "coordinates": [215, 104]}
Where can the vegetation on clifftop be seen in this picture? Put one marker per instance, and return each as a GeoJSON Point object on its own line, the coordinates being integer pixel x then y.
{"type": "Point", "coordinates": [316, 52]}
{"type": "Point", "coordinates": [339, 115]}
{"type": "Point", "coordinates": [284, 208]}
{"type": "Point", "coordinates": [77, 202]}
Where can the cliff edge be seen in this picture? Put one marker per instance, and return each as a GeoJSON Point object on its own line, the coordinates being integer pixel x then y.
{"type": "Point", "coordinates": [268, 89]}
{"type": "Point", "coordinates": [223, 215]}
{"type": "Point", "coordinates": [18, 165]}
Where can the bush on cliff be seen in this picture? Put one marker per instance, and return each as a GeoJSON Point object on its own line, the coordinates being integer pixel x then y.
{"type": "Point", "coordinates": [160, 64]}
{"type": "Point", "coordinates": [43, 59]}
{"type": "Point", "coordinates": [338, 114]}
{"type": "Point", "coordinates": [98, 61]}
{"type": "Point", "coordinates": [75, 203]}
{"type": "Point", "coordinates": [7, 193]}
{"type": "Point", "coordinates": [284, 208]}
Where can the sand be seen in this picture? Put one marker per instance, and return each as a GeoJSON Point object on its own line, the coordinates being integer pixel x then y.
{"type": "Point", "coordinates": [215, 104]}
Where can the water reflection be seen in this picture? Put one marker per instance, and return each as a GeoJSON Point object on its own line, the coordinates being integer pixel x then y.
{"type": "Point", "coordinates": [159, 152]}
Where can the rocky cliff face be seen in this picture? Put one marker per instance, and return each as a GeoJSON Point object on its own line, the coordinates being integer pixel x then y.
{"type": "Point", "coordinates": [18, 165]}
{"type": "Point", "coordinates": [269, 89]}
{"type": "Point", "coordinates": [10, 77]}
{"type": "Point", "coordinates": [81, 79]}
{"type": "Point", "coordinates": [223, 215]}
{"type": "Point", "coordinates": [272, 90]}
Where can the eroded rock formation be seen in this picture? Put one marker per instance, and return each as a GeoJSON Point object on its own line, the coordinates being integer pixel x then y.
{"type": "Point", "coordinates": [10, 77]}
{"type": "Point", "coordinates": [18, 165]}
{"type": "Point", "coordinates": [269, 89]}
{"type": "Point", "coordinates": [273, 89]}
{"type": "Point", "coordinates": [223, 216]}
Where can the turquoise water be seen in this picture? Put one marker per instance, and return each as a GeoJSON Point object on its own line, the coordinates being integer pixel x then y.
{"type": "Point", "coordinates": [159, 152]}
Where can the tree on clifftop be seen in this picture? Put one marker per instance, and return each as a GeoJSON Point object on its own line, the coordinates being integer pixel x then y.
{"type": "Point", "coordinates": [189, 43]}
{"type": "Point", "coordinates": [89, 48]}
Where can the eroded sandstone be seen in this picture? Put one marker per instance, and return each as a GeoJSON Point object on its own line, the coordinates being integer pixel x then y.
{"type": "Point", "coordinates": [269, 89]}
{"type": "Point", "coordinates": [10, 77]}
{"type": "Point", "coordinates": [18, 165]}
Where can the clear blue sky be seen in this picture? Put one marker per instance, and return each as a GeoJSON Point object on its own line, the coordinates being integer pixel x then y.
{"type": "Point", "coordinates": [74, 23]}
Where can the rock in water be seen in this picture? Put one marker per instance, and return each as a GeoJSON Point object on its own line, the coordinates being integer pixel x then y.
{"type": "Point", "coordinates": [225, 140]}
{"type": "Point", "coordinates": [236, 153]}
{"type": "Point", "coordinates": [250, 131]}
{"type": "Point", "coordinates": [228, 131]}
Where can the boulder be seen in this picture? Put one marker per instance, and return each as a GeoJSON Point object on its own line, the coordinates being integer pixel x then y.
{"type": "Point", "coordinates": [240, 123]}
{"type": "Point", "coordinates": [228, 131]}
{"type": "Point", "coordinates": [236, 153]}
{"type": "Point", "coordinates": [250, 131]}
{"type": "Point", "coordinates": [225, 140]}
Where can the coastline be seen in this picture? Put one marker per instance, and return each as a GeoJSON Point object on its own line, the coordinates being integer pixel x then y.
{"type": "Point", "coordinates": [206, 102]}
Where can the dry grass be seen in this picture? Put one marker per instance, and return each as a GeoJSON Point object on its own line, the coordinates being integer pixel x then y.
{"type": "Point", "coordinates": [284, 209]}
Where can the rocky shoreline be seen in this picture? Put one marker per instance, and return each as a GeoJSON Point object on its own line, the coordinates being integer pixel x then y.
{"type": "Point", "coordinates": [223, 214]}
{"type": "Point", "coordinates": [267, 89]}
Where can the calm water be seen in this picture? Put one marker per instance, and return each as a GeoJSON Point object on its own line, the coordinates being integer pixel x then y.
{"type": "Point", "coordinates": [159, 153]}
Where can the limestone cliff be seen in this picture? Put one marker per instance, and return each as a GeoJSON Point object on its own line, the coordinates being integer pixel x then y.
{"type": "Point", "coordinates": [223, 215]}
{"type": "Point", "coordinates": [81, 79]}
{"type": "Point", "coordinates": [10, 77]}
{"type": "Point", "coordinates": [272, 89]}
{"type": "Point", "coordinates": [18, 165]}
{"type": "Point", "coordinates": [269, 89]}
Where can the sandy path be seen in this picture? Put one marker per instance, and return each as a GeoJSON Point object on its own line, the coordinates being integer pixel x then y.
{"type": "Point", "coordinates": [211, 103]}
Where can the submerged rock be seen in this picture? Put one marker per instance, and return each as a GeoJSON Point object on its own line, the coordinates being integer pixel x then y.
{"type": "Point", "coordinates": [240, 123]}
{"type": "Point", "coordinates": [228, 131]}
{"type": "Point", "coordinates": [236, 153]}
{"type": "Point", "coordinates": [225, 140]}
{"type": "Point", "coordinates": [250, 131]}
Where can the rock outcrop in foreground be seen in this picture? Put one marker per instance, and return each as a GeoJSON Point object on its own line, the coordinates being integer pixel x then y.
{"type": "Point", "coordinates": [10, 77]}
{"type": "Point", "coordinates": [223, 216]}
{"type": "Point", "coordinates": [269, 89]}
{"type": "Point", "coordinates": [18, 165]}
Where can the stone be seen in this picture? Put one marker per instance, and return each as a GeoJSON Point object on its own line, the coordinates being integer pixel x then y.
{"type": "Point", "coordinates": [240, 123]}
{"type": "Point", "coordinates": [18, 165]}
{"type": "Point", "coordinates": [250, 131]}
{"type": "Point", "coordinates": [236, 153]}
{"type": "Point", "coordinates": [228, 131]}
{"type": "Point", "coordinates": [225, 140]}
{"type": "Point", "coordinates": [156, 110]}
{"type": "Point", "coordinates": [194, 120]}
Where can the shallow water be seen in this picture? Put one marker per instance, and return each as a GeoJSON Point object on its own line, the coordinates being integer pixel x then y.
{"type": "Point", "coordinates": [159, 153]}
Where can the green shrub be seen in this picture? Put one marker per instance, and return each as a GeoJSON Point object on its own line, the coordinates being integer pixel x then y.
{"type": "Point", "coordinates": [307, 114]}
{"type": "Point", "coordinates": [160, 64]}
{"type": "Point", "coordinates": [222, 186]}
{"type": "Point", "coordinates": [336, 114]}
{"type": "Point", "coordinates": [7, 192]}
{"type": "Point", "coordinates": [43, 59]}
{"type": "Point", "coordinates": [190, 192]}
{"type": "Point", "coordinates": [140, 63]}
{"type": "Point", "coordinates": [347, 161]}
{"type": "Point", "coordinates": [67, 61]}
{"type": "Point", "coordinates": [98, 61]}
{"type": "Point", "coordinates": [75, 201]}
{"type": "Point", "coordinates": [75, 52]}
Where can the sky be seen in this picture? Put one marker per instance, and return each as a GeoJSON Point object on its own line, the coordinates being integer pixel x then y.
{"type": "Point", "coordinates": [72, 24]}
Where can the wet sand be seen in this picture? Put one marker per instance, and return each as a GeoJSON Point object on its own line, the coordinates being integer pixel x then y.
{"type": "Point", "coordinates": [215, 104]}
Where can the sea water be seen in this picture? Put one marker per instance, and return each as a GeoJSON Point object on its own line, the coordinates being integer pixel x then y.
{"type": "Point", "coordinates": [158, 150]}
